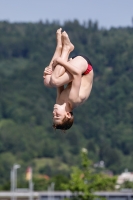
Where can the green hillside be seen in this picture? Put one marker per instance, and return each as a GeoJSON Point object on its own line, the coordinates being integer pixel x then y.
{"type": "Point", "coordinates": [104, 124]}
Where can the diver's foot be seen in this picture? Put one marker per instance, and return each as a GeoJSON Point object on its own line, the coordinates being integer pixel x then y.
{"type": "Point", "coordinates": [58, 37]}
{"type": "Point", "coordinates": [66, 42]}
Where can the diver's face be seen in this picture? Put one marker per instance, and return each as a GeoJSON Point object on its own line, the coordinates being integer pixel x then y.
{"type": "Point", "coordinates": [59, 113]}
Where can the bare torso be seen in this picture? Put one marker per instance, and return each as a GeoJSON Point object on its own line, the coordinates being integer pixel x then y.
{"type": "Point", "coordinates": [85, 87]}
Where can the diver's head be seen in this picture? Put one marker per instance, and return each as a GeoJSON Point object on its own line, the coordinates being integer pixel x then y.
{"type": "Point", "coordinates": [61, 118]}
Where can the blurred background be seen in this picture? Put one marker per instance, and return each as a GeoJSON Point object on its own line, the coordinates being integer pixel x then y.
{"type": "Point", "coordinates": [102, 30]}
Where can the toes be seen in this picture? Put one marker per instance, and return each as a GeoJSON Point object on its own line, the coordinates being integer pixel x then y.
{"type": "Point", "coordinates": [64, 33]}
{"type": "Point", "coordinates": [59, 30]}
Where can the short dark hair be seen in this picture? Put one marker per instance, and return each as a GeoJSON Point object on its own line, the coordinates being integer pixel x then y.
{"type": "Point", "coordinates": [66, 123]}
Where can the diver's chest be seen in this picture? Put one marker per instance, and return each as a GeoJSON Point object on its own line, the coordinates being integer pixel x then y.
{"type": "Point", "coordinates": [66, 93]}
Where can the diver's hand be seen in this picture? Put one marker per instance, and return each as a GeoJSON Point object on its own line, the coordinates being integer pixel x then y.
{"type": "Point", "coordinates": [48, 70]}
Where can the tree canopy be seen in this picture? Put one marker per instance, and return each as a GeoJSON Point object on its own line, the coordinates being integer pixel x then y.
{"type": "Point", "coordinates": [103, 125]}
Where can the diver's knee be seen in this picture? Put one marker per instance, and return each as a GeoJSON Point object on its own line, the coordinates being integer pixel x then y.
{"type": "Point", "coordinates": [47, 83]}
{"type": "Point", "coordinates": [54, 82]}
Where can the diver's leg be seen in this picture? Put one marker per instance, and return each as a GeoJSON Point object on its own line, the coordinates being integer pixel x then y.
{"type": "Point", "coordinates": [66, 50]}
{"type": "Point", "coordinates": [58, 49]}
{"type": "Point", "coordinates": [48, 70]}
{"type": "Point", "coordinates": [80, 63]}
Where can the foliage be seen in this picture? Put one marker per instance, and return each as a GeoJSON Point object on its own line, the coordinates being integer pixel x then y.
{"type": "Point", "coordinates": [84, 182]}
{"type": "Point", "coordinates": [103, 124]}
{"type": "Point", "coordinates": [59, 180]}
{"type": "Point", "coordinates": [40, 184]}
{"type": "Point", "coordinates": [127, 184]}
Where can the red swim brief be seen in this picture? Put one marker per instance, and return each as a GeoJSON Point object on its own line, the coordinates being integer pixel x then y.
{"type": "Point", "coordinates": [89, 68]}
